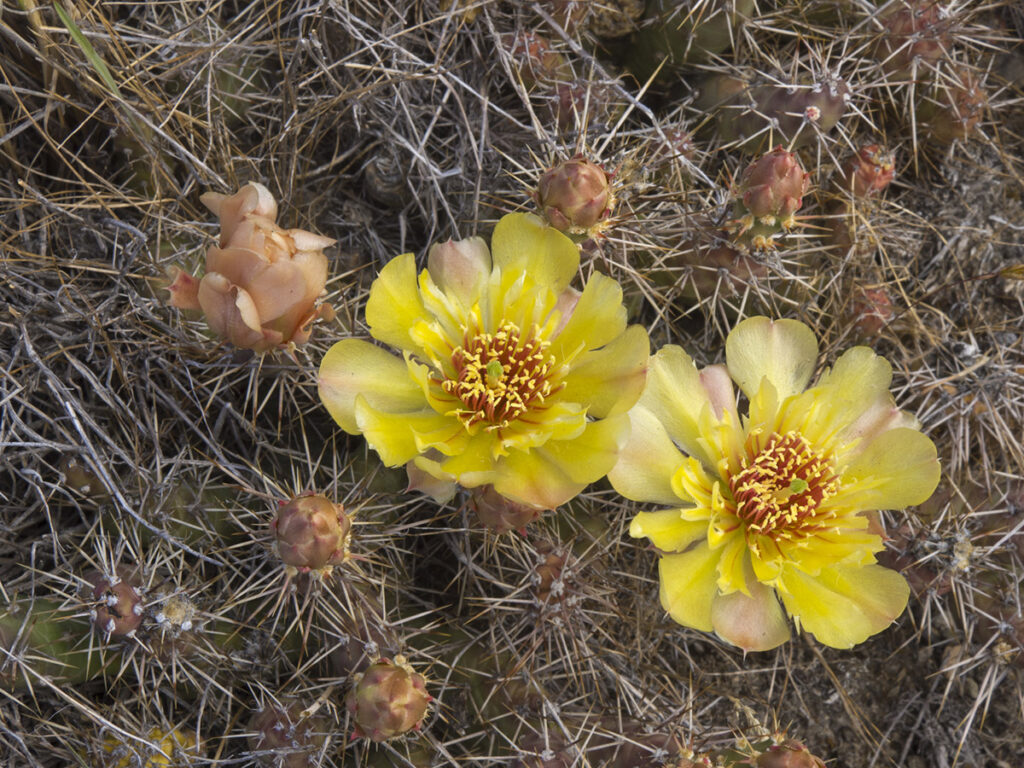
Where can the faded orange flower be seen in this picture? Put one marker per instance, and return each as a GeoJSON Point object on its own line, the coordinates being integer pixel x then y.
{"type": "Point", "coordinates": [262, 282]}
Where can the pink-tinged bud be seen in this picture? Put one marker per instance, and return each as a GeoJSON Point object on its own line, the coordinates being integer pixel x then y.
{"type": "Point", "coordinates": [773, 185]}
{"type": "Point", "coordinates": [388, 700]}
{"type": "Point", "coordinates": [460, 267]}
{"type": "Point", "coordinates": [312, 534]}
{"type": "Point", "coordinates": [498, 513]}
{"type": "Point", "coordinates": [115, 604]}
{"type": "Point", "coordinates": [282, 737]}
{"type": "Point", "coordinates": [870, 311]}
{"type": "Point", "coordinates": [262, 282]}
{"type": "Point", "coordinates": [868, 172]}
{"type": "Point", "coordinates": [768, 194]}
{"type": "Point", "coordinates": [790, 754]}
{"type": "Point", "coordinates": [533, 59]}
{"type": "Point", "coordinates": [576, 196]}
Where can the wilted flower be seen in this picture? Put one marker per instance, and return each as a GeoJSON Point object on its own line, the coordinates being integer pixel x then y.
{"type": "Point", "coordinates": [774, 505]}
{"type": "Point", "coordinates": [508, 376]}
{"type": "Point", "coordinates": [262, 282]}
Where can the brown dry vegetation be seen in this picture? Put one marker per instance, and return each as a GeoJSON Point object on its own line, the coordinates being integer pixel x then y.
{"type": "Point", "coordinates": [131, 440]}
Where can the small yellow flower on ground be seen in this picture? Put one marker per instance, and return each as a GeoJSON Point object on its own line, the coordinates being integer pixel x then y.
{"type": "Point", "coordinates": [508, 377]}
{"type": "Point", "coordinates": [774, 505]}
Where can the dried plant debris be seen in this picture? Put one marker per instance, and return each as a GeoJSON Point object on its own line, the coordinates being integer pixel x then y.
{"type": "Point", "coordinates": [199, 567]}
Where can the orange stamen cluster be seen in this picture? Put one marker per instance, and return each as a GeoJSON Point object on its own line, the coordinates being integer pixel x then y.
{"type": "Point", "coordinates": [782, 485]}
{"type": "Point", "coordinates": [500, 376]}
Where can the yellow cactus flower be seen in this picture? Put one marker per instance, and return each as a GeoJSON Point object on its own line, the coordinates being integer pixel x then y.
{"type": "Point", "coordinates": [162, 748]}
{"type": "Point", "coordinates": [776, 505]}
{"type": "Point", "coordinates": [508, 377]}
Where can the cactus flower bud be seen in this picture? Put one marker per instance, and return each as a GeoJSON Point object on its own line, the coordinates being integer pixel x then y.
{"type": "Point", "coordinates": [868, 172]}
{"type": "Point", "coordinates": [262, 282]}
{"type": "Point", "coordinates": [576, 196]}
{"type": "Point", "coordinates": [115, 603]}
{"type": "Point", "coordinates": [499, 514]}
{"type": "Point", "coordinates": [389, 699]}
{"type": "Point", "coordinates": [312, 534]}
{"type": "Point", "coordinates": [768, 194]}
{"type": "Point", "coordinates": [282, 737]}
{"type": "Point", "coordinates": [790, 754]}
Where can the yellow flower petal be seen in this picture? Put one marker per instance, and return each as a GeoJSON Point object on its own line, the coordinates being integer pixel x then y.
{"type": "Point", "coordinates": [753, 622]}
{"type": "Point", "coordinates": [558, 421]}
{"type": "Point", "coordinates": [674, 392]}
{"type": "Point", "coordinates": [667, 529]}
{"type": "Point", "coordinates": [590, 456]}
{"type": "Point", "coordinates": [394, 435]}
{"type": "Point", "coordinates": [857, 386]}
{"type": "Point", "coordinates": [897, 469]}
{"type": "Point", "coordinates": [784, 351]}
{"type": "Point", "coordinates": [845, 606]}
{"type": "Point", "coordinates": [352, 367]}
{"type": "Point", "coordinates": [555, 472]}
{"type": "Point", "coordinates": [609, 380]}
{"type": "Point", "coordinates": [395, 305]}
{"type": "Point", "coordinates": [597, 319]}
{"type": "Point", "coordinates": [532, 478]}
{"type": "Point", "coordinates": [688, 586]}
{"type": "Point", "coordinates": [523, 243]}
{"type": "Point", "coordinates": [647, 461]}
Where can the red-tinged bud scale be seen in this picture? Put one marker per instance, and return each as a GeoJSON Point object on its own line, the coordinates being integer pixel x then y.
{"type": "Point", "coordinates": [769, 193]}
{"type": "Point", "coordinates": [388, 700]}
{"type": "Point", "coordinates": [498, 513]}
{"type": "Point", "coordinates": [871, 310]}
{"type": "Point", "coordinates": [868, 172]}
{"type": "Point", "coordinates": [312, 534]}
{"type": "Point", "coordinates": [790, 754]}
{"type": "Point", "coordinates": [576, 197]}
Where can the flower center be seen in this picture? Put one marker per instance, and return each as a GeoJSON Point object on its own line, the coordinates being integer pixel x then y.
{"type": "Point", "coordinates": [499, 376]}
{"type": "Point", "coordinates": [779, 490]}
